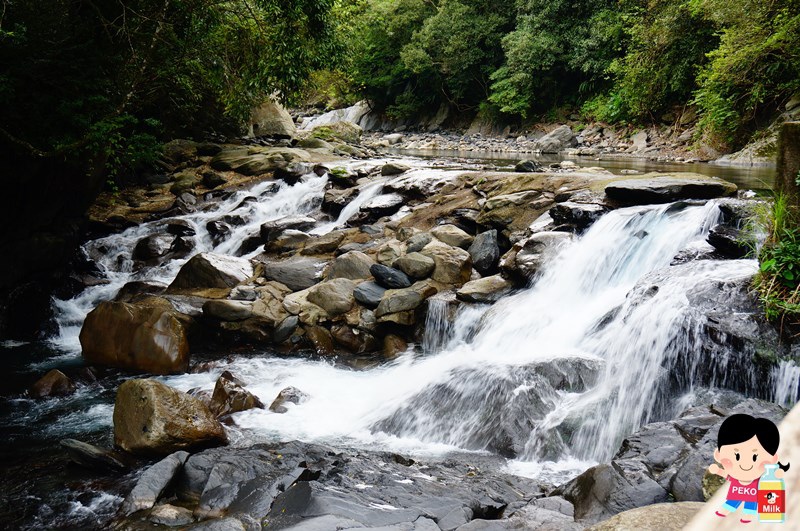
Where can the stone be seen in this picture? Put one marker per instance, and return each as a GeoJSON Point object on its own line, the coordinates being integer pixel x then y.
{"type": "Point", "coordinates": [393, 168]}
{"type": "Point", "coordinates": [54, 383]}
{"type": "Point", "coordinates": [661, 516]}
{"type": "Point", "coordinates": [353, 339]}
{"type": "Point", "coordinates": [90, 456]}
{"type": "Point", "coordinates": [230, 396]}
{"type": "Point", "coordinates": [484, 290]}
{"type": "Point", "coordinates": [137, 337]}
{"type": "Point", "coordinates": [502, 210]}
{"type": "Point", "coordinates": [151, 418]}
{"type": "Point", "coordinates": [153, 482]}
{"type": "Point", "coordinates": [309, 313]}
{"type": "Point", "coordinates": [353, 265]}
{"type": "Point", "coordinates": [180, 227]}
{"type": "Point", "coordinates": [151, 247]}
{"type": "Point", "coordinates": [537, 249]}
{"type": "Point", "coordinates": [369, 294]}
{"type": "Point", "coordinates": [228, 310]}
{"type": "Point", "coordinates": [389, 252]}
{"type": "Point", "coordinates": [334, 296]}
{"type": "Point", "coordinates": [393, 346]}
{"type": "Point", "coordinates": [389, 277]}
{"type": "Point", "coordinates": [665, 188]}
{"type": "Point", "coordinates": [285, 329]}
{"type": "Point", "coordinates": [485, 251]}
{"type": "Point", "coordinates": [417, 242]}
{"type": "Point", "coordinates": [271, 230]}
{"type": "Point", "coordinates": [730, 242]}
{"type": "Point", "coordinates": [289, 240]}
{"type": "Point", "coordinates": [415, 265]}
{"type": "Point", "coordinates": [342, 130]}
{"type": "Point", "coordinates": [297, 273]}
{"type": "Point", "coordinates": [213, 179]}
{"type": "Point", "coordinates": [268, 306]}
{"type": "Point", "coordinates": [321, 340]}
{"type": "Point", "coordinates": [218, 230]}
{"type": "Point", "coordinates": [527, 166]}
{"type": "Point", "coordinates": [453, 236]}
{"type": "Point", "coordinates": [579, 215]}
{"type": "Point", "coordinates": [334, 200]}
{"type": "Point", "coordinates": [639, 141]}
{"type": "Point", "coordinates": [271, 119]}
{"type": "Point", "coordinates": [452, 265]}
{"type": "Point", "coordinates": [382, 205]}
{"type": "Point", "coordinates": [210, 270]}
{"type": "Point", "coordinates": [322, 245]}
{"type": "Point", "coordinates": [557, 140]}
{"type": "Point", "coordinates": [288, 395]}
{"type": "Point", "coordinates": [170, 515]}
{"type": "Point", "coordinates": [400, 300]}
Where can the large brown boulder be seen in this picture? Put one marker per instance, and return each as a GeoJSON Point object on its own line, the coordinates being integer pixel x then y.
{"type": "Point", "coordinates": [137, 337]}
{"type": "Point", "coordinates": [212, 271]}
{"type": "Point", "coordinates": [230, 396]}
{"type": "Point", "coordinates": [54, 383]}
{"type": "Point", "coordinates": [151, 418]}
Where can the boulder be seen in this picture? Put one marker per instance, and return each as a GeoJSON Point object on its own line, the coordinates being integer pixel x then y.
{"type": "Point", "coordinates": [213, 179]}
{"type": "Point", "coordinates": [343, 130]}
{"type": "Point", "coordinates": [334, 296]}
{"type": "Point", "coordinates": [369, 294]}
{"type": "Point", "coordinates": [180, 227]}
{"type": "Point", "coordinates": [557, 140]}
{"type": "Point", "coordinates": [297, 273]}
{"type": "Point", "coordinates": [210, 271]}
{"type": "Point", "coordinates": [271, 119]}
{"type": "Point", "coordinates": [527, 166]}
{"type": "Point", "coordinates": [382, 205]}
{"type": "Point", "coordinates": [389, 277]}
{"type": "Point", "coordinates": [54, 383]}
{"type": "Point", "coordinates": [289, 240]}
{"type": "Point", "coordinates": [325, 244]}
{"type": "Point", "coordinates": [353, 339]}
{"type": "Point", "coordinates": [231, 397]}
{"type": "Point", "coordinates": [268, 307]}
{"type": "Point", "coordinates": [309, 313]}
{"type": "Point", "coordinates": [393, 168]}
{"type": "Point", "coordinates": [664, 188]}
{"type": "Point", "coordinates": [291, 395]}
{"type": "Point", "coordinates": [321, 340]}
{"type": "Point", "coordinates": [218, 230]}
{"type": "Point", "coordinates": [537, 249]}
{"type": "Point", "coordinates": [415, 265]}
{"type": "Point", "coordinates": [503, 210]}
{"type": "Point", "coordinates": [152, 247]}
{"type": "Point", "coordinates": [579, 215]}
{"type": "Point", "coordinates": [335, 199]}
{"type": "Point", "coordinates": [729, 241]}
{"type": "Point", "coordinates": [389, 252]}
{"type": "Point", "coordinates": [452, 265]}
{"type": "Point", "coordinates": [285, 329]}
{"type": "Point", "coordinates": [403, 300]}
{"type": "Point", "coordinates": [452, 235]}
{"type": "Point", "coordinates": [353, 265]}
{"type": "Point", "coordinates": [418, 241]}
{"type": "Point", "coordinates": [137, 337]}
{"type": "Point", "coordinates": [485, 252]}
{"type": "Point", "coordinates": [393, 346]}
{"type": "Point", "coordinates": [228, 310]}
{"type": "Point", "coordinates": [484, 290]}
{"type": "Point", "coordinates": [151, 418]}
{"type": "Point", "coordinates": [661, 516]}
{"type": "Point", "coordinates": [170, 515]}
{"type": "Point", "coordinates": [153, 482]}
{"type": "Point", "coordinates": [136, 289]}
{"type": "Point", "coordinates": [90, 456]}
{"type": "Point", "coordinates": [272, 229]}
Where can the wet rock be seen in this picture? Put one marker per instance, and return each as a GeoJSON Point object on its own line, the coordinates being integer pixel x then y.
{"type": "Point", "coordinates": [403, 300]}
{"type": "Point", "coordinates": [485, 252]}
{"type": "Point", "coordinates": [230, 396]}
{"type": "Point", "coordinates": [394, 168]}
{"type": "Point", "coordinates": [289, 240]}
{"type": "Point", "coordinates": [151, 247]}
{"type": "Point", "coordinates": [557, 140]}
{"type": "Point", "coordinates": [729, 242]}
{"type": "Point", "coordinates": [393, 346]}
{"type": "Point", "coordinates": [288, 395]}
{"type": "Point", "coordinates": [418, 241]}
{"type": "Point", "coordinates": [389, 277]}
{"type": "Point", "coordinates": [218, 230]}
{"type": "Point", "coordinates": [452, 265]}
{"type": "Point", "coordinates": [353, 265]}
{"type": "Point", "coordinates": [153, 482]}
{"type": "Point", "coordinates": [149, 338]}
{"type": "Point", "coordinates": [453, 236]}
{"type": "Point", "coordinates": [181, 247]}
{"type": "Point", "coordinates": [527, 166]}
{"type": "Point", "coordinates": [537, 249]}
{"type": "Point", "coordinates": [658, 188]}
{"type": "Point", "coordinates": [484, 290]}
{"type": "Point", "coordinates": [297, 273]}
{"type": "Point", "coordinates": [271, 230]}
{"type": "Point", "coordinates": [90, 456]}
{"type": "Point", "coordinates": [662, 516]}
{"type": "Point", "coordinates": [151, 418]}
{"type": "Point", "coordinates": [209, 270]}
{"type": "Point", "coordinates": [334, 200]}
{"type": "Point", "coordinates": [228, 310]}
{"type": "Point", "coordinates": [268, 306]}
{"type": "Point", "coordinates": [248, 161]}
{"type": "Point", "coordinates": [293, 173]}
{"type": "Point", "coordinates": [285, 329]}
{"type": "Point", "coordinates": [180, 227]}
{"type": "Point", "coordinates": [415, 265]}
{"type": "Point", "coordinates": [380, 206]}
{"type": "Point", "coordinates": [389, 252]}
{"type": "Point", "coordinates": [369, 294]}
{"type": "Point", "coordinates": [212, 179]}
{"type": "Point", "coordinates": [321, 340]}
{"type": "Point", "coordinates": [309, 313]}
{"type": "Point", "coordinates": [54, 383]}
{"type": "Point", "coordinates": [579, 215]}
{"type": "Point", "coordinates": [334, 296]}
{"type": "Point", "coordinates": [324, 245]}
{"type": "Point", "coordinates": [170, 515]}
{"type": "Point", "coordinates": [503, 210]}
{"type": "Point", "coordinates": [353, 339]}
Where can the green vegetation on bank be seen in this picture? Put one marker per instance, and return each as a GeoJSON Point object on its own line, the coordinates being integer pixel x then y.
{"type": "Point", "coordinates": [614, 60]}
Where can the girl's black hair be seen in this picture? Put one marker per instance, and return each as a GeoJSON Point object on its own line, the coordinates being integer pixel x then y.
{"type": "Point", "coordinates": [740, 428]}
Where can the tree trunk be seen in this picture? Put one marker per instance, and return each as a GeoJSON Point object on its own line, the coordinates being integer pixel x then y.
{"type": "Point", "coordinates": [788, 170]}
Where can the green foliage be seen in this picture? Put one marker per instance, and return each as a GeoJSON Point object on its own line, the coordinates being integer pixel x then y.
{"type": "Point", "coordinates": [778, 280]}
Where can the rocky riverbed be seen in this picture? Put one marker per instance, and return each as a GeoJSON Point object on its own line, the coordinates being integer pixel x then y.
{"type": "Point", "coordinates": [300, 334]}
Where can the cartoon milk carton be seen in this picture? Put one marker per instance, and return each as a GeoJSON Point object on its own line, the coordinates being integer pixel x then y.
{"type": "Point", "coordinates": [771, 497]}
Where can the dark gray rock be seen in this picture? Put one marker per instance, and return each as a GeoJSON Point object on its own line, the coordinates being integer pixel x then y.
{"type": "Point", "coordinates": [153, 482]}
{"type": "Point", "coordinates": [383, 205]}
{"type": "Point", "coordinates": [152, 247]}
{"type": "Point", "coordinates": [272, 229]}
{"type": "Point", "coordinates": [667, 188]}
{"type": "Point", "coordinates": [389, 277]}
{"type": "Point", "coordinates": [730, 241]}
{"type": "Point", "coordinates": [369, 294]}
{"type": "Point", "coordinates": [285, 330]}
{"type": "Point", "coordinates": [418, 241]}
{"type": "Point", "coordinates": [180, 227]}
{"type": "Point", "coordinates": [290, 395]}
{"type": "Point", "coordinates": [218, 230]}
{"type": "Point", "coordinates": [527, 166]}
{"type": "Point", "coordinates": [90, 456]}
{"type": "Point", "coordinates": [557, 140]}
{"type": "Point", "coordinates": [485, 252]}
{"type": "Point", "coordinates": [297, 273]}
{"type": "Point", "coordinates": [578, 215]}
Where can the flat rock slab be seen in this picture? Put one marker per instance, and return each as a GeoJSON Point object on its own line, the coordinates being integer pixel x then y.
{"type": "Point", "coordinates": [662, 516]}
{"type": "Point", "coordinates": [660, 188]}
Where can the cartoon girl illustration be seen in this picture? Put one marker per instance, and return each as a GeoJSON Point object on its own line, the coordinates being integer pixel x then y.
{"type": "Point", "coordinates": [745, 445]}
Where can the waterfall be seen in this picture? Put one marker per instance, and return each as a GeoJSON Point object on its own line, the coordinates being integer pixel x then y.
{"type": "Point", "coordinates": [366, 193]}
{"type": "Point", "coordinates": [787, 383]}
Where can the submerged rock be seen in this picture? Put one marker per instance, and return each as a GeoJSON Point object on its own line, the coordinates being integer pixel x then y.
{"type": "Point", "coordinates": [54, 383]}
{"type": "Point", "coordinates": [291, 395]}
{"type": "Point", "coordinates": [138, 337]}
{"type": "Point", "coordinates": [151, 418]}
{"type": "Point", "coordinates": [90, 456]}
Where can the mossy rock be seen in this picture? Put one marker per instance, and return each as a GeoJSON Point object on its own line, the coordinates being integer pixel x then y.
{"type": "Point", "coordinates": [711, 484]}
{"type": "Point", "coordinates": [344, 131]}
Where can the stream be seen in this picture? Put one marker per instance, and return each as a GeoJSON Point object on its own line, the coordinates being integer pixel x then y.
{"type": "Point", "coordinates": [555, 375]}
